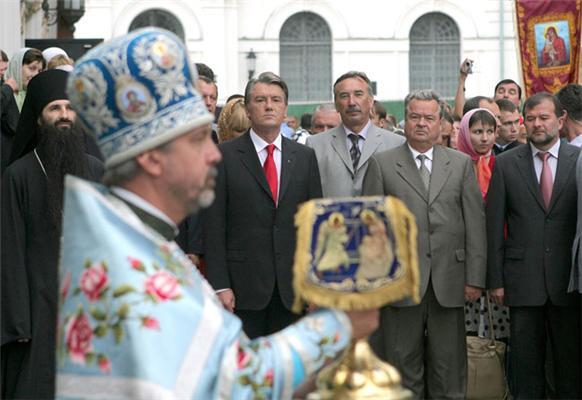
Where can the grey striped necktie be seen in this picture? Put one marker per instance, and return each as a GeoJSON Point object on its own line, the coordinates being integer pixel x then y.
{"type": "Point", "coordinates": [355, 150]}
{"type": "Point", "coordinates": [424, 172]}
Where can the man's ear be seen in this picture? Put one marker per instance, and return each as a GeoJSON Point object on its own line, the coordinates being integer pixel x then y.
{"type": "Point", "coordinates": [562, 119]}
{"type": "Point", "coordinates": [151, 162]}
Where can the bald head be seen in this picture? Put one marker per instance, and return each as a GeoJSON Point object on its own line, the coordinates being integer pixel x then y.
{"type": "Point", "coordinates": [325, 117]}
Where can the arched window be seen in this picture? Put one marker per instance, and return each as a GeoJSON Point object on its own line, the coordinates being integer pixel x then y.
{"type": "Point", "coordinates": [434, 54]}
{"type": "Point", "coordinates": [158, 18]}
{"type": "Point", "coordinates": [305, 57]}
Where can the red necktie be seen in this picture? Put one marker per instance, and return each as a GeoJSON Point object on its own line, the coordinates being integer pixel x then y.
{"type": "Point", "coordinates": [271, 171]}
{"type": "Point", "coordinates": [546, 180]}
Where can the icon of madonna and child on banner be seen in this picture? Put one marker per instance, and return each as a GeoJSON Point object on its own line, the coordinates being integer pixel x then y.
{"type": "Point", "coordinates": [548, 34]}
{"type": "Point", "coordinates": [355, 253]}
{"type": "Point", "coordinates": [552, 43]}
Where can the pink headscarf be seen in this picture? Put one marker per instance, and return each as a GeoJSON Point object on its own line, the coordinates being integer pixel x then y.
{"type": "Point", "coordinates": [464, 144]}
{"type": "Point", "coordinates": [464, 141]}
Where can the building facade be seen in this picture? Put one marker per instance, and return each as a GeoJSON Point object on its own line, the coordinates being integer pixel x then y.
{"type": "Point", "coordinates": [401, 45]}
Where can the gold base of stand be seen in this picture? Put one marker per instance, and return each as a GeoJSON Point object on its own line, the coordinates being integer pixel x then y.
{"type": "Point", "coordinates": [359, 375]}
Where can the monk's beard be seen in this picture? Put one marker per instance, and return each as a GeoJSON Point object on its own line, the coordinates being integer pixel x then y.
{"type": "Point", "coordinates": [62, 151]}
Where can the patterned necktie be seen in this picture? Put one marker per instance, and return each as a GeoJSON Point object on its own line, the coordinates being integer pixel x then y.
{"type": "Point", "coordinates": [424, 172]}
{"type": "Point", "coordinates": [271, 171]}
{"type": "Point", "coordinates": [546, 180]}
{"type": "Point", "coordinates": [354, 150]}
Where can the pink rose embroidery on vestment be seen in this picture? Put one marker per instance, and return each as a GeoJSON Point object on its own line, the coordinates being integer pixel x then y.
{"type": "Point", "coordinates": [150, 323]}
{"type": "Point", "coordinates": [269, 377]}
{"type": "Point", "coordinates": [104, 364]}
{"type": "Point", "coordinates": [243, 358]}
{"type": "Point", "coordinates": [79, 335]}
{"type": "Point", "coordinates": [66, 285]}
{"type": "Point", "coordinates": [93, 281]}
{"type": "Point", "coordinates": [162, 286]}
{"type": "Point", "coordinates": [136, 264]}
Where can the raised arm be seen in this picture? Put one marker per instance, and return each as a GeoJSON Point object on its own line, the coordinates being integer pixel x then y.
{"type": "Point", "coordinates": [464, 71]}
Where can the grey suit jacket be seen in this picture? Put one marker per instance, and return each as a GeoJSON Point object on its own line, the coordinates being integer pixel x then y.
{"type": "Point", "coordinates": [576, 272]}
{"type": "Point", "coordinates": [338, 178]}
{"type": "Point", "coordinates": [450, 218]}
{"type": "Point", "coordinates": [531, 258]}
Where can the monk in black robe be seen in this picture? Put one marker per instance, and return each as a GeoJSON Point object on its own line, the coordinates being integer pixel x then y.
{"type": "Point", "coordinates": [32, 197]}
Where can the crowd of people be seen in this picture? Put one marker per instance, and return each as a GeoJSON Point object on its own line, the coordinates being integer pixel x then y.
{"type": "Point", "coordinates": [162, 266]}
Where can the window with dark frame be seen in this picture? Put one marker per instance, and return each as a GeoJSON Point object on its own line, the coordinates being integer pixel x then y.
{"type": "Point", "coordinates": [160, 19]}
{"type": "Point", "coordinates": [305, 57]}
{"type": "Point", "coordinates": [434, 54]}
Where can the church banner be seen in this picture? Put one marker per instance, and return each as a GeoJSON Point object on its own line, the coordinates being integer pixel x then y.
{"type": "Point", "coordinates": [549, 43]}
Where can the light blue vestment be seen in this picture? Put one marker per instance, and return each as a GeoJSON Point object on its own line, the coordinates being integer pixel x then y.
{"type": "Point", "coordinates": [137, 320]}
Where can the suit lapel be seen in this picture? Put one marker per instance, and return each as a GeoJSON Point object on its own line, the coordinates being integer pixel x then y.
{"type": "Point", "coordinates": [250, 160]}
{"type": "Point", "coordinates": [439, 173]}
{"type": "Point", "coordinates": [566, 161]}
{"type": "Point", "coordinates": [526, 169]}
{"type": "Point", "coordinates": [338, 142]}
{"type": "Point", "coordinates": [407, 169]}
{"type": "Point", "coordinates": [372, 142]}
{"type": "Point", "coordinates": [287, 165]}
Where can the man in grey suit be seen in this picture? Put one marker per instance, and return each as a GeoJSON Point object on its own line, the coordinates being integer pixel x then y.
{"type": "Point", "coordinates": [426, 341]}
{"type": "Point", "coordinates": [575, 284]}
{"type": "Point", "coordinates": [343, 152]}
{"type": "Point", "coordinates": [531, 223]}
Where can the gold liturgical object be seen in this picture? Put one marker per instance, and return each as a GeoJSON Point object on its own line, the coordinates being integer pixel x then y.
{"type": "Point", "coordinates": [356, 254]}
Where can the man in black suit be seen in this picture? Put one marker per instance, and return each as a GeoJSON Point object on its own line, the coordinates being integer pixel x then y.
{"type": "Point", "coordinates": [249, 231]}
{"type": "Point", "coordinates": [533, 193]}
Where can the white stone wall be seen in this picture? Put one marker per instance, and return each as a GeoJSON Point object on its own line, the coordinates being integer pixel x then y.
{"type": "Point", "coordinates": [368, 35]}
{"type": "Point", "coordinates": [10, 38]}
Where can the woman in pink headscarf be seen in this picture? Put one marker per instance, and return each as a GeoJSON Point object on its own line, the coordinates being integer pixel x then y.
{"type": "Point", "coordinates": [476, 138]}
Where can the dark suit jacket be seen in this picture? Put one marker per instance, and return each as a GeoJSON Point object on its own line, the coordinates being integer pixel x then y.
{"type": "Point", "coordinates": [250, 243]}
{"type": "Point", "coordinates": [512, 145]}
{"type": "Point", "coordinates": [533, 263]}
{"type": "Point", "coordinates": [450, 218]}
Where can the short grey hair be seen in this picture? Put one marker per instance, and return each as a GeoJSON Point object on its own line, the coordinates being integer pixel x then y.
{"type": "Point", "coordinates": [322, 107]}
{"type": "Point", "coordinates": [269, 78]}
{"type": "Point", "coordinates": [354, 74]}
{"type": "Point", "coordinates": [128, 170]}
{"type": "Point", "coordinates": [121, 173]}
{"type": "Point", "coordinates": [424, 95]}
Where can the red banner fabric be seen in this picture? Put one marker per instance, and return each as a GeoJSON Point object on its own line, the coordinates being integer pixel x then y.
{"type": "Point", "coordinates": [549, 43]}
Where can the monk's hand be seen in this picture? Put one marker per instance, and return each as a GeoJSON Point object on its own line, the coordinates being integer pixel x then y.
{"type": "Point", "coordinates": [497, 295]}
{"type": "Point", "coordinates": [227, 299]}
{"type": "Point", "coordinates": [472, 293]}
{"type": "Point", "coordinates": [364, 323]}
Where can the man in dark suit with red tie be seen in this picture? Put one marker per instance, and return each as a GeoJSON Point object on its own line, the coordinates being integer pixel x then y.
{"type": "Point", "coordinates": [531, 223]}
{"type": "Point", "coordinates": [249, 231]}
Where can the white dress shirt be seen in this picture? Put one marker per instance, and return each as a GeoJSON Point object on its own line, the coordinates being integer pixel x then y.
{"type": "Point", "coordinates": [261, 148]}
{"type": "Point", "coordinates": [577, 141]}
{"type": "Point", "coordinates": [427, 160]}
{"type": "Point", "coordinates": [362, 134]}
{"type": "Point", "coordinates": [552, 160]}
